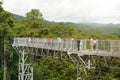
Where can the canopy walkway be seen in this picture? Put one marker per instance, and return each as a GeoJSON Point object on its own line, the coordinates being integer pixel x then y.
{"type": "Point", "coordinates": [72, 46]}
{"type": "Point", "coordinates": [78, 51]}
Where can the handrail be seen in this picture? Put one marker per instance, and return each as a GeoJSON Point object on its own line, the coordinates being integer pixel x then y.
{"type": "Point", "coordinates": [110, 47]}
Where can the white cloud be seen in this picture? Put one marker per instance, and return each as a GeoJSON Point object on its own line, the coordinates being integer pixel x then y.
{"type": "Point", "coordinates": [101, 11]}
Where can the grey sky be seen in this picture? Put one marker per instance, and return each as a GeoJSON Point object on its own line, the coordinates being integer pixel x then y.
{"type": "Point", "coordinates": [99, 11]}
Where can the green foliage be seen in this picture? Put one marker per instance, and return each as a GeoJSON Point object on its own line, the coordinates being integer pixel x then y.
{"type": "Point", "coordinates": [31, 28]}
{"type": "Point", "coordinates": [52, 69]}
{"type": "Point", "coordinates": [34, 14]}
{"type": "Point", "coordinates": [1, 9]}
{"type": "Point", "coordinates": [60, 30]}
{"type": "Point", "coordinates": [17, 16]}
{"type": "Point", "coordinates": [6, 24]}
{"type": "Point", "coordinates": [33, 25]}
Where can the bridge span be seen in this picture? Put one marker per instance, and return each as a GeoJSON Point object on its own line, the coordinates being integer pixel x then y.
{"type": "Point", "coordinates": [74, 49]}
{"type": "Point", "coordinates": [72, 46]}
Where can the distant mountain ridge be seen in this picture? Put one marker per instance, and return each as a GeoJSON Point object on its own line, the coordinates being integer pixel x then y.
{"type": "Point", "coordinates": [103, 28]}
{"type": "Point", "coordinates": [73, 24]}
{"type": "Point", "coordinates": [17, 16]}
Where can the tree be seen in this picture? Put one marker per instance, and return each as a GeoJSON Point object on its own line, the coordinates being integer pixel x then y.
{"type": "Point", "coordinates": [34, 14]}
{"type": "Point", "coordinates": [1, 6]}
{"type": "Point", "coordinates": [52, 69]}
{"type": "Point", "coordinates": [57, 29]}
{"type": "Point", "coordinates": [61, 30]}
{"type": "Point", "coordinates": [5, 32]}
{"type": "Point", "coordinates": [68, 31]}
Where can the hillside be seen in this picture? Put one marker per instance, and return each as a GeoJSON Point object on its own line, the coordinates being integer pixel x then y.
{"type": "Point", "coordinates": [102, 28]}
{"type": "Point", "coordinates": [18, 16]}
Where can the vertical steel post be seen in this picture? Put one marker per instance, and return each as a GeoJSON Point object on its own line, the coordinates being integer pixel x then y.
{"type": "Point", "coordinates": [25, 68]}
{"type": "Point", "coordinates": [89, 62]}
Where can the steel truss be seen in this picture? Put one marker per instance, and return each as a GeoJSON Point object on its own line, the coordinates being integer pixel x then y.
{"type": "Point", "coordinates": [64, 49]}
{"type": "Point", "coordinates": [25, 71]}
{"type": "Point", "coordinates": [83, 63]}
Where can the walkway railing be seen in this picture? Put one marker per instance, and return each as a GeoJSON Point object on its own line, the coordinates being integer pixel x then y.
{"type": "Point", "coordinates": [102, 47]}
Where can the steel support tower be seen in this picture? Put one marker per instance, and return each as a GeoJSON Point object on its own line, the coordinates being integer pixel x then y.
{"type": "Point", "coordinates": [64, 49]}
{"type": "Point", "coordinates": [25, 71]}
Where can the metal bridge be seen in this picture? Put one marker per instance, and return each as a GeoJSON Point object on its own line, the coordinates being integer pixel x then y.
{"type": "Point", "coordinates": [72, 49]}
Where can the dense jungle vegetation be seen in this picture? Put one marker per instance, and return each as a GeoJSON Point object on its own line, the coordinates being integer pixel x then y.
{"type": "Point", "coordinates": [34, 25]}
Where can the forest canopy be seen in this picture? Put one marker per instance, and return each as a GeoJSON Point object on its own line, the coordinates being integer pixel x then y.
{"type": "Point", "coordinates": [34, 25]}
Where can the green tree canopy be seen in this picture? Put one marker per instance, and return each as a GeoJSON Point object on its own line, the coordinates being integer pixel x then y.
{"type": "Point", "coordinates": [34, 14]}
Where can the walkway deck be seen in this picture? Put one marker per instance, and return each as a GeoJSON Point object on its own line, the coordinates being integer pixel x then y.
{"type": "Point", "coordinates": [71, 46]}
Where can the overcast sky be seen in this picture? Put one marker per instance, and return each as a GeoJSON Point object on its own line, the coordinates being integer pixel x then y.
{"type": "Point", "coordinates": [85, 11]}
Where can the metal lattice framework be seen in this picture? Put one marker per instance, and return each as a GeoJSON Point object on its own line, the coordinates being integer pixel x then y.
{"type": "Point", "coordinates": [77, 51]}
{"type": "Point", "coordinates": [25, 63]}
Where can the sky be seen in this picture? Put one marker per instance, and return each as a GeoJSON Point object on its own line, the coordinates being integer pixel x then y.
{"type": "Point", "coordinates": [79, 11]}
